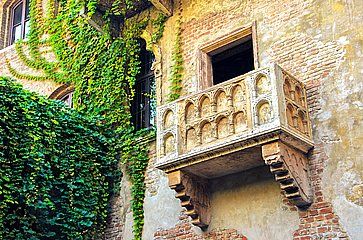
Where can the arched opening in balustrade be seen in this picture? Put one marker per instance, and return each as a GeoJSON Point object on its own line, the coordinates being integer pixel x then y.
{"type": "Point", "coordinates": [190, 113]}
{"type": "Point", "coordinates": [264, 112]}
{"type": "Point", "coordinates": [222, 127]}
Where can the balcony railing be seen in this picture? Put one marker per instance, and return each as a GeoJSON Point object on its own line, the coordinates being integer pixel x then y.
{"type": "Point", "coordinates": [248, 106]}
{"type": "Point", "coordinates": [255, 119]}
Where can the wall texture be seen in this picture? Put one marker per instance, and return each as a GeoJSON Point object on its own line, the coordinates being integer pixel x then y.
{"type": "Point", "coordinates": [318, 41]}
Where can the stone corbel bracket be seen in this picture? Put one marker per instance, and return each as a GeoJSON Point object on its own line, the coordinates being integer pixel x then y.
{"type": "Point", "coordinates": [166, 6]}
{"type": "Point", "coordinates": [290, 167]}
{"type": "Point", "coordinates": [194, 195]}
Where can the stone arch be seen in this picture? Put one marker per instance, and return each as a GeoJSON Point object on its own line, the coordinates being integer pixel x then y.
{"type": "Point", "coordinates": [190, 113]}
{"type": "Point", "coordinates": [222, 127]}
{"type": "Point", "coordinates": [64, 93]}
{"type": "Point", "coordinates": [264, 112]}
{"type": "Point", "coordinates": [61, 91]}
{"type": "Point", "coordinates": [301, 121]}
{"type": "Point", "coordinates": [168, 119]}
{"type": "Point", "coordinates": [221, 100]}
{"type": "Point", "coordinates": [239, 121]}
{"type": "Point", "coordinates": [204, 106]}
{"type": "Point", "coordinates": [238, 97]}
{"type": "Point", "coordinates": [191, 139]}
{"type": "Point", "coordinates": [287, 87]}
{"type": "Point", "coordinates": [290, 113]}
{"type": "Point", "coordinates": [262, 84]}
{"type": "Point", "coordinates": [206, 132]}
{"type": "Point", "coordinates": [169, 143]}
{"type": "Point", "coordinates": [299, 98]}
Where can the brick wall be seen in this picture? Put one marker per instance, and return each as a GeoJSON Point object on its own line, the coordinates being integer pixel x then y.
{"type": "Point", "coordinates": [306, 56]}
{"type": "Point", "coordinates": [312, 61]}
{"type": "Point", "coordinates": [319, 221]}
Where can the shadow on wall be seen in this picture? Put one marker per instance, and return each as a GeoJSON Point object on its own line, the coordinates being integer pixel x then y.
{"type": "Point", "coordinates": [251, 202]}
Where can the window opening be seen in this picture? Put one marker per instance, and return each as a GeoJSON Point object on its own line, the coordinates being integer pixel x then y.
{"type": "Point", "coordinates": [20, 21]}
{"type": "Point", "coordinates": [233, 60]}
{"type": "Point", "coordinates": [143, 106]}
{"type": "Point", "coordinates": [68, 99]}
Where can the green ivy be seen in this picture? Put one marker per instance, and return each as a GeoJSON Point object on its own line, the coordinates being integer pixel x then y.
{"type": "Point", "coordinates": [102, 68]}
{"type": "Point", "coordinates": [178, 61]}
{"type": "Point", "coordinates": [56, 170]}
{"type": "Point", "coordinates": [159, 25]}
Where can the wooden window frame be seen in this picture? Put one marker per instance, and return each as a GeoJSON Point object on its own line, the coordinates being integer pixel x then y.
{"type": "Point", "coordinates": [68, 99]}
{"type": "Point", "coordinates": [62, 92]}
{"type": "Point", "coordinates": [147, 108]}
{"type": "Point", "coordinates": [148, 78]}
{"type": "Point", "coordinates": [205, 68]}
{"type": "Point", "coordinates": [22, 23]}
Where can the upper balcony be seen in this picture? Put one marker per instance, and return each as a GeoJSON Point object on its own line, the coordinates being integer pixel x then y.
{"type": "Point", "coordinates": [249, 107]}
{"type": "Point", "coordinates": [258, 118]}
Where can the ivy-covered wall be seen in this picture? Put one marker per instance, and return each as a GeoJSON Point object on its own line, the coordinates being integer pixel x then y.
{"type": "Point", "coordinates": [57, 170]}
{"type": "Point", "coordinates": [101, 66]}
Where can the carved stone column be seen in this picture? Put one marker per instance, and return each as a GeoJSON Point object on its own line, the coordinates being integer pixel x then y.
{"type": "Point", "coordinates": [290, 167]}
{"type": "Point", "coordinates": [193, 193]}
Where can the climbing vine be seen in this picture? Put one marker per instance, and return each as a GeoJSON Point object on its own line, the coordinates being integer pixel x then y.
{"type": "Point", "coordinates": [101, 65]}
{"type": "Point", "coordinates": [177, 58]}
{"type": "Point", "coordinates": [56, 170]}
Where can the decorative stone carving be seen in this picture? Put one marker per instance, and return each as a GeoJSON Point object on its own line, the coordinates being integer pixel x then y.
{"type": "Point", "coordinates": [296, 106]}
{"type": "Point", "coordinates": [290, 112]}
{"type": "Point", "coordinates": [249, 102]}
{"type": "Point", "coordinates": [262, 85]}
{"type": "Point", "coordinates": [168, 119]}
{"type": "Point", "coordinates": [205, 107]}
{"type": "Point", "coordinates": [239, 122]}
{"type": "Point", "coordinates": [239, 98]}
{"type": "Point", "coordinates": [222, 128]}
{"type": "Point", "coordinates": [191, 139]}
{"type": "Point", "coordinates": [189, 112]}
{"type": "Point", "coordinates": [264, 113]}
{"type": "Point", "coordinates": [222, 103]}
{"type": "Point", "coordinates": [194, 195]}
{"type": "Point", "coordinates": [299, 96]}
{"type": "Point", "coordinates": [206, 131]}
{"type": "Point", "coordinates": [169, 141]}
{"type": "Point", "coordinates": [287, 87]}
{"type": "Point", "coordinates": [290, 167]}
{"type": "Point", "coordinates": [301, 122]}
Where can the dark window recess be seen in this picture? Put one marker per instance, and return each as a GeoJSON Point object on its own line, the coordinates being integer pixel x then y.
{"type": "Point", "coordinates": [143, 106]}
{"type": "Point", "coordinates": [19, 21]}
{"type": "Point", "coordinates": [233, 60]}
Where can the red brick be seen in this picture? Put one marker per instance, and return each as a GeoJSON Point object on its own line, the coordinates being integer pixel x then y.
{"type": "Point", "coordinates": [322, 229]}
{"type": "Point", "coordinates": [325, 210]}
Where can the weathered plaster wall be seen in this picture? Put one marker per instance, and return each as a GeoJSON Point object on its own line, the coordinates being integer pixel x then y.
{"type": "Point", "coordinates": [320, 42]}
{"type": "Point", "coordinates": [249, 202]}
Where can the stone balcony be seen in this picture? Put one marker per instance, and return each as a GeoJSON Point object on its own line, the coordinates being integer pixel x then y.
{"type": "Point", "coordinates": [255, 119]}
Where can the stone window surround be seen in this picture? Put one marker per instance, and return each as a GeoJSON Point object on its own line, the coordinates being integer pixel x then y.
{"type": "Point", "coordinates": [204, 70]}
